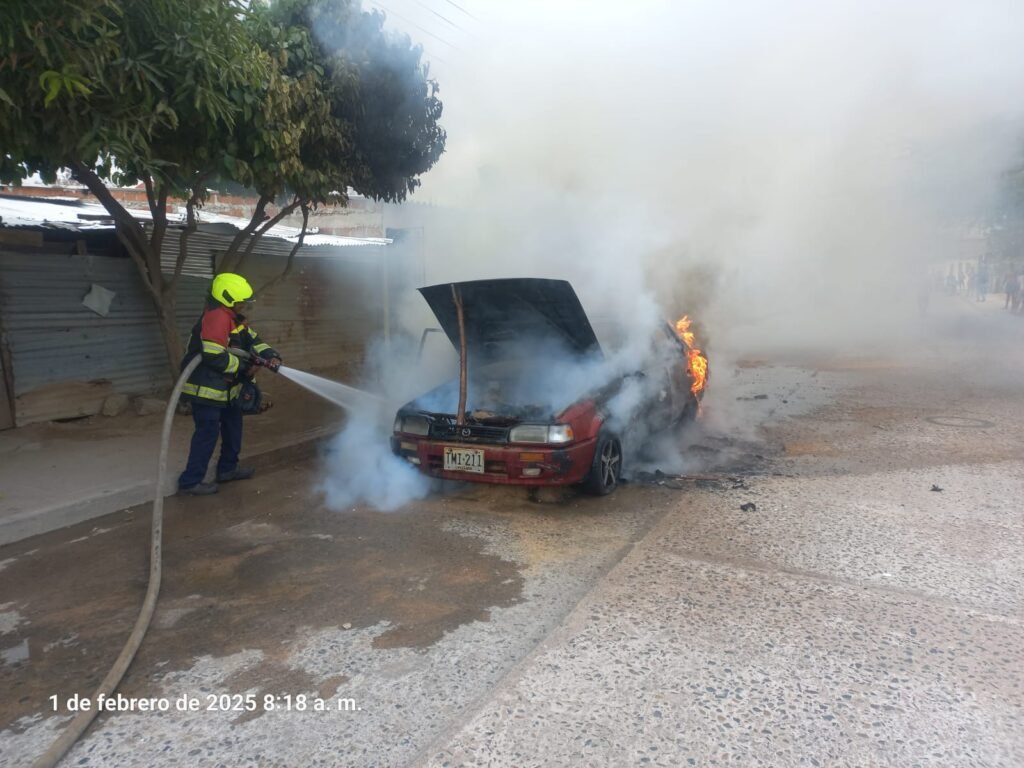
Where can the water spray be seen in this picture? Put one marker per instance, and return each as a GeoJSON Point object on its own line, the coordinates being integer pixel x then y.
{"type": "Point", "coordinates": [349, 398]}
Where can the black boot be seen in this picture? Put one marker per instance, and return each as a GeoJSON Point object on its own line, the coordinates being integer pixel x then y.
{"type": "Point", "coordinates": [199, 489]}
{"type": "Point", "coordinates": [238, 473]}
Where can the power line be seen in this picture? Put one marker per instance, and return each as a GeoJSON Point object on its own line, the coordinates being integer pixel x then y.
{"type": "Point", "coordinates": [443, 18]}
{"type": "Point", "coordinates": [455, 5]}
{"type": "Point", "coordinates": [414, 24]}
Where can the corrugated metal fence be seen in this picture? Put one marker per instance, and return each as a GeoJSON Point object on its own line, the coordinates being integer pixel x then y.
{"type": "Point", "coordinates": [323, 315]}
{"type": "Point", "coordinates": [66, 359]}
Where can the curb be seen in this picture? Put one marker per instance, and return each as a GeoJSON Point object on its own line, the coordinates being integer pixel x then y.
{"type": "Point", "coordinates": [36, 521]}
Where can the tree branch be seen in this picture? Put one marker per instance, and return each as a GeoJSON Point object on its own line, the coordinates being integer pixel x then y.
{"type": "Point", "coordinates": [119, 213]}
{"type": "Point", "coordinates": [268, 225]}
{"type": "Point", "coordinates": [147, 180]}
{"type": "Point", "coordinates": [291, 256]}
{"type": "Point", "coordinates": [190, 227]}
{"type": "Point", "coordinates": [129, 231]}
{"type": "Point", "coordinates": [140, 263]}
{"type": "Point", "coordinates": [159, 209]}
{"type": "Point", "coordinates": [228, 260]}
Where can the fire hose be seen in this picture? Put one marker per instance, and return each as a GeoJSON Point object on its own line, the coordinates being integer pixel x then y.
{"type": "Point", "coordinates": [84, 719]}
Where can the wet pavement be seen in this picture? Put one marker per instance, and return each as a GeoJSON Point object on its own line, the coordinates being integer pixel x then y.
{"type": "Point", "coordinates": [851, 616]}
{"type": "Point", "coordinates": [409, 617]}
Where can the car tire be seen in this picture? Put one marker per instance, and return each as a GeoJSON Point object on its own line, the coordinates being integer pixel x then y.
{"type": "Point", "coordinates": [606, 468]}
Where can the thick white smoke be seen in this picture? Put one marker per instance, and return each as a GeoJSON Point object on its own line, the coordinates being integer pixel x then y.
{"type": "Point", "coordinates": [782, 171]}
{"type": "Point", "coordinates": [810, 157]}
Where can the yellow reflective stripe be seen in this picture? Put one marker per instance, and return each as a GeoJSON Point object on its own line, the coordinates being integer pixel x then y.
{"type": "Point", "coordinates": [257, 348]}
{"type": "Point", "coordinates": [235, 391]}
{"type": "Point", "coordinates": [232, 365]}
{"type": "Point", "coordinates": [209, 393]}
{"type": "Point", "coordinates": [252, 332]}
{"type": "Point", "coordinates": [238, 329]}
{"type": "Point", "coordinates": [212, 347]}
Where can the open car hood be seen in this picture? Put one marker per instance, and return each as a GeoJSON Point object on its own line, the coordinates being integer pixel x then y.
{"type": "Point", "coordinates": [503, 315]}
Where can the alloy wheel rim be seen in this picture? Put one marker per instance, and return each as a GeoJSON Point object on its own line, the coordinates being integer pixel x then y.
{"type": "Point", "coordinates": [609, 463]}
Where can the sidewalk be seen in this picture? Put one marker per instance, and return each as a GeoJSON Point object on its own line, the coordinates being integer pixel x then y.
{"type": "Point", "coordinates": [57, 474]}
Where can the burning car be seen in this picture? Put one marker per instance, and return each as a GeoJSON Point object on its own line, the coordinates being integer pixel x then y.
{"type": "Point", "coordinates": [541, 403]}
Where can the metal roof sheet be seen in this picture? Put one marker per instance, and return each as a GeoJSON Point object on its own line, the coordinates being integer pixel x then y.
{"type": "Point", "coordinates": [68, 213]}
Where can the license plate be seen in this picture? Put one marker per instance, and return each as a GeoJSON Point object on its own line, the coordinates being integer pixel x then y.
{"type": "Point", "coordinates": [463, 460]}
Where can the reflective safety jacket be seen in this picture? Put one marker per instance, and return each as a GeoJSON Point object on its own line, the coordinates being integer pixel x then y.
{"type": "Point", "coordinates": [218, 379]}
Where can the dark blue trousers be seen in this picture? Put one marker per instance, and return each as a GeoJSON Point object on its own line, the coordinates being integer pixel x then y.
{"type": "Point", "coordinates": [213, 422]}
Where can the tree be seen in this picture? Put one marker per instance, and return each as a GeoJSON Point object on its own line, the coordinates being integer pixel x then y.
{"type": "Point", "coordinates": [353, 107]}
{"type": "Point", "coordinates": [299, 100]}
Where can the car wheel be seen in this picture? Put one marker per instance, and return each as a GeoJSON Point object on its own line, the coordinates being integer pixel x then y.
{"type": "Point", "coordinates": [606, 468]}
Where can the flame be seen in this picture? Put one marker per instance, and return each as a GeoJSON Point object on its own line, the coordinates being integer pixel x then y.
{"type": "Point", "coordinates": [698, 363]}
{"type": "Point", "coordinates": [684, 332]}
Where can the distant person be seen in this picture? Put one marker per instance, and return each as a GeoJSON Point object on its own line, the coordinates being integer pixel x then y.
{"type": "Point", "coordinates": [1012, 287]}
{"type": "Point", "coordinates": [214, 385]}
{"type": "Point", "coordinates": [1017, 304]}
{"type": "Point", "coordinates": [951, 281]}
{"type": "Point", "coordinates": [981, 280]}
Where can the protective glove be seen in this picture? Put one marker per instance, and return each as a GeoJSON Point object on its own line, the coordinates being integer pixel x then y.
{"type": "Point", "coordinates": [274, 363]}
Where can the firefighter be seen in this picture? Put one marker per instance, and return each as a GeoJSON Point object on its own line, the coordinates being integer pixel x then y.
{"type": "Point", "coordinates": [213, 387]}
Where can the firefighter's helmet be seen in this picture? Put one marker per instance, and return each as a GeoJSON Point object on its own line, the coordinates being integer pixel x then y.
{"type": "Point", "coordinates": [229, 289]}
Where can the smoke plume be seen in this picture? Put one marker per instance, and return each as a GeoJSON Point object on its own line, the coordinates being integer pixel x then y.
{"type": "Point", "coordinates": [783, 172]}
{"type": "Point", "coordinates": [775, 168]}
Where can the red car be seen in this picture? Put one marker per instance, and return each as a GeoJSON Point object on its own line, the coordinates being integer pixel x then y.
{"type": "Point", "coordinates": [544, 405]}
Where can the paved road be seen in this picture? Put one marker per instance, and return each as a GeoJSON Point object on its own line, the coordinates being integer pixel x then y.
{"type": "Point", "coordinates": [413, 615]}
{"type": "Point", "coordinates": [858, 616]}
{"type": "Point", "coordinates": [855, 617]}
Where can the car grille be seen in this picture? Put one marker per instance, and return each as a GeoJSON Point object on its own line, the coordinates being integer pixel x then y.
{"type": "Point", "coordinates": [469, 433]}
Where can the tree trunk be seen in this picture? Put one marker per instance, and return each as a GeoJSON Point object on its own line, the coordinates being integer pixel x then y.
{"type": "Point", "coordinates": [145, 252]}
{"type": "Point", "coordinates": [166, 318]}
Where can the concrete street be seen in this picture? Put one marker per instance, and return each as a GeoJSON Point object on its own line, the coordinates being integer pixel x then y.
{"type": "Point", "coordinates": [867, 611]}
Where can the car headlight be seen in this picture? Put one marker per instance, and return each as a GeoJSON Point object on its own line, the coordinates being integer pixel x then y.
{"type": "Point", "coordinates": [560, 433]}
{"type": "Point", "coordinates": [541, 433]}
{"type": "Point", "coordinates": [412, 425]}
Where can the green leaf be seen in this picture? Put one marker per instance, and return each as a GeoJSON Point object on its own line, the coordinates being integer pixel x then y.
{"type": "Point", "coordinates": [51, 82]}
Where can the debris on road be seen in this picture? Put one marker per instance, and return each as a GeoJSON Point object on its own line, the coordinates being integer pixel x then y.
{"type": "Point", "coordinates": [748, 507]}
{"type": "Point", "coordinates": [936, 488]}
{"type": "Point", "coordinates": [680, 482]}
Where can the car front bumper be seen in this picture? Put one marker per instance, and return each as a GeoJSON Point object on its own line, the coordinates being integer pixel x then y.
{"type": "Point", "coordinates": [503, 464]}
